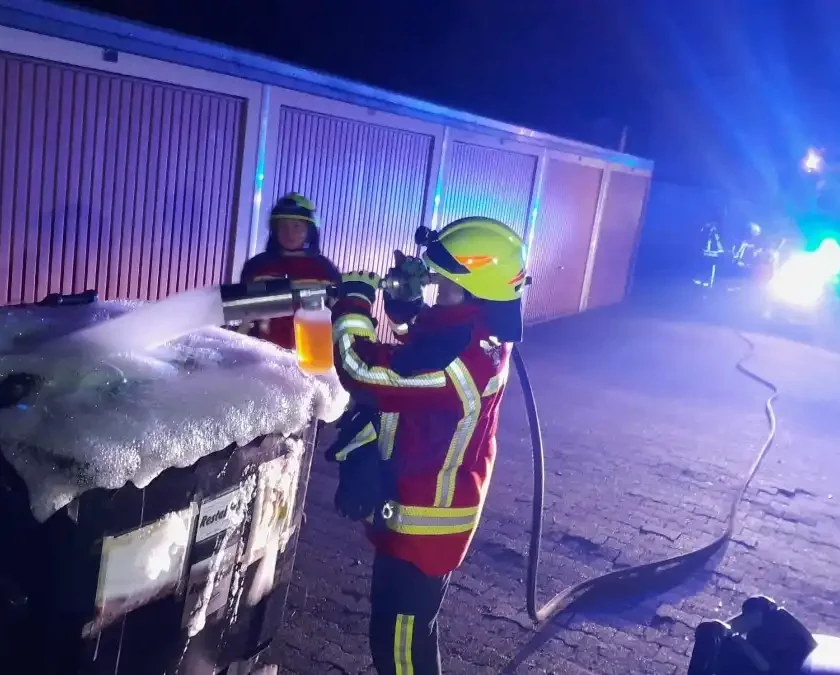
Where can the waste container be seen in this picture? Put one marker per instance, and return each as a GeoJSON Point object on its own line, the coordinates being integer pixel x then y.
{"type": "Point", "coordinates": [139, 540]}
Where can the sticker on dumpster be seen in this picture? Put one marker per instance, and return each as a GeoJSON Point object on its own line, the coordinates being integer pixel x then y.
{"type": "Point", "coordinates": [272, 526]}
{"type": "Point", "coordinates": [219, 513]}
{"type": "Point", "coordinates": [141, 566]}
{"type": "Point", "coordinates": [209, 586]}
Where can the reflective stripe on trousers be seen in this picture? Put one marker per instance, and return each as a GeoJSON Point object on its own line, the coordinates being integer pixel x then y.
{"type": "Point", "coordinates": [403, 635]}
{"type": "Point", "coordinates": [404, 606]}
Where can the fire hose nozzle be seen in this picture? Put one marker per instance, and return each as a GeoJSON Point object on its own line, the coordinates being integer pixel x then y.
{"type": "Point", "coordinates": [269, 299]}
{"type": "Point", "coordinates": [276, 298]}
{"type": "Point", "coordinates": [393, 283]}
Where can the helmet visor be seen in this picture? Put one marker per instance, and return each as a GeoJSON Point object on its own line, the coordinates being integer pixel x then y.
{"type": "Point", "coordinates": [443, 259]}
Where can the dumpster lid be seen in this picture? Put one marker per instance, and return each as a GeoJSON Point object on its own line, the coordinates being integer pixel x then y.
{"type": "Point", "coordinates": [70, 426]}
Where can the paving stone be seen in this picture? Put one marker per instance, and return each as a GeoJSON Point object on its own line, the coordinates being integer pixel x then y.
{"type": "Point", "coordinates": [667, 533]}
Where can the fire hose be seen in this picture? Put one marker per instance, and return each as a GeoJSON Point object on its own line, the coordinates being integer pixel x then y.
{"type": "Point", "coordinates": [763, 639]}
{"type": "Point", "coordinates": [541, 614]}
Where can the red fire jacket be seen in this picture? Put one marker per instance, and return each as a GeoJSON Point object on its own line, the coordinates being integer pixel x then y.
{"type": "Point", "coordinates": [298, 267]}
{"type": "Point", "coordinates": [438, 395]}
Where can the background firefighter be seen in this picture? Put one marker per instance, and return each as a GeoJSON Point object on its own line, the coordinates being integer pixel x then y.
{"type": "Point", "coordinates": [417, 453]}
{"type": "Point", "coordinates": [293, 250]}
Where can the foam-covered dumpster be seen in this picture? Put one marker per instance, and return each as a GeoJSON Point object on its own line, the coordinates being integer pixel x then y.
{"type": "Point", "coordinates": [149, 501]}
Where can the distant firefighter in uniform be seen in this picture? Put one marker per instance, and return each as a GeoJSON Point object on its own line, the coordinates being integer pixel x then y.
{"type": "Point", "coordinates": [294, 251]}
{"type": "Point", "coordinates": [416, 453]}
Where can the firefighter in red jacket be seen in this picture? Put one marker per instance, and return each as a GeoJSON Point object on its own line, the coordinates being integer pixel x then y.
{"type": "Point", "coordinates": [294, 251]}
{"type": "Point", "coordinates": [416, 454]}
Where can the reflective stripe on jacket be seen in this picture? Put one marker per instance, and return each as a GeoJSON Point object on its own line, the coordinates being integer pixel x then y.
{"type": "Point", "coordinates": [438, 396]}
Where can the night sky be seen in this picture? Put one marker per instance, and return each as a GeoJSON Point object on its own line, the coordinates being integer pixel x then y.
{"type": "Point", "coordinates": [724, 93]}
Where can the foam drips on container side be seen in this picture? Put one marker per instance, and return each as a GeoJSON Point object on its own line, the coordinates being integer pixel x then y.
{"type": "Point", "coordinates": [198, 618]}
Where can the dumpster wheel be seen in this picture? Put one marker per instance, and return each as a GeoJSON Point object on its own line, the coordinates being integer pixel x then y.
{"type": "Point", "coordinates": [541, 615]}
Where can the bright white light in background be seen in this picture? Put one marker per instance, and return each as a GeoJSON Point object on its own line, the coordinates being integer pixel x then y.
{"type": "Point", "coordinates": [827, 258]}
{"type": "Point", "coordinates": [813, 161]}
{"type": "Point", "coordinates": [802, 280]}
{"type": "Point", "coordinates": [798, 281]}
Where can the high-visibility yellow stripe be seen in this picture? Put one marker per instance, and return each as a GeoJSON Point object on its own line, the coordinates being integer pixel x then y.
{"type": "Point", "coordinates": [364, 437]}
{"type": "Point", "coordinates": [366, 374]}
{"type": "Point", "coordinates": [431, 520]}
{"type": "Point", "coordinates": [387, 434]}
{"type": "Point", "coordinates": [353, 324]}
{"type": "Point", "coordinates": [355, 317]}
{"type": "Point", "coordinates": [471, 401]}
{"type": "Point", "coordinates": [403, 638]}
{"type": "Point", "coordinates": [434, 511]}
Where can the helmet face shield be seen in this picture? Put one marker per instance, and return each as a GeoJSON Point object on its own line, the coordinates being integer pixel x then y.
{"type": "Point", "coordinates": [483, 256]}
{"type": "Point", "coordinates": [437, 255]}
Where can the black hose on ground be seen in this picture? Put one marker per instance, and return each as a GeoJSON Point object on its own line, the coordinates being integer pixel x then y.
{"type": "Point", "coordinates": [568, 596]}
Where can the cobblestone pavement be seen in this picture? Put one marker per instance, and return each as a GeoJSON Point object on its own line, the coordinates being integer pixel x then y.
{"type": "Point", "coordinates": [648, 429]}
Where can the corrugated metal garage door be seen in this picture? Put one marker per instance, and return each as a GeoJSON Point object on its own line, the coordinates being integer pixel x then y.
{"type": "Point", "coordinates": [481, 181]}
{"type": "Point", "coordinates": [112, 183]}
{"type": "Point", "coordinates": [561, 239]}
{"type": "Point", "coordinates": [616, 241]}
{"type": "Point", "coordinates": [368, 182]}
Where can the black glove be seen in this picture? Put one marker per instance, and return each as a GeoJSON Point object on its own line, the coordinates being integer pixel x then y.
{"type": "Point", "coordinates": [360, 494]}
